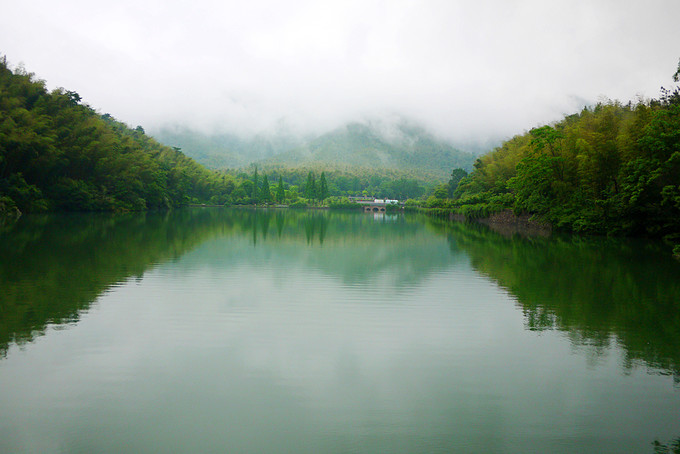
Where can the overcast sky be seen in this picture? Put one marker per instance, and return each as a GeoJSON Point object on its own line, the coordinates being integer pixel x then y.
{"type": "Point", "coordinates": [466, 69]}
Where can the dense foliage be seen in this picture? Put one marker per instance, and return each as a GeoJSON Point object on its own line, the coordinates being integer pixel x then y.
{"type": "Point", "coordinates": [398, 144]}
{"type": "Point", "coordinates": [59, 154]}
{"type": "Point", "coordinates": [307, 184]}
{"type": "Point", "coordinates": [612, 168]}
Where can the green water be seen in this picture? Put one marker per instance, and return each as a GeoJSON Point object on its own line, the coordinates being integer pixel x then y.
{"type": "Point", "coordinates": [215, 330]}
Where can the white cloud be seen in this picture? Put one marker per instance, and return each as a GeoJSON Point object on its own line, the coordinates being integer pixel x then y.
{"type": "Point", "coordinates": [467, 70]}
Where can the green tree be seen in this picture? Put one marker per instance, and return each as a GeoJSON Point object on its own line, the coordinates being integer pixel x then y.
{"type": "Point", "coordinates": [310, 187]}
{"type": "Point", "coordinates": [441, 191]}
{"type": "Point", "coordinates": [293, 193]}
{"type": "Point", "coordinates": [323, 187]}
{"type": "Point", "coordinates": [266, 194]}
{"type": "Point", "coordinates": [546, 137]}
{"type": "Point", "coordinates": [58, 153]}
{"type": "Point", "coordinates": [75, 98]}
{"type": "Point", "coordinates": [280, 192]}
{"type": "Point", "coordinates": [456, 176]}
{"type": "Point", "coordinates": [256, 187]}
{"type": "Point", "coordinates": [533, 184]}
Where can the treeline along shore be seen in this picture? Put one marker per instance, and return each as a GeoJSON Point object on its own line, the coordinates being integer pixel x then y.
{"type": "Point", "coordinates": [612, 168]}
{"type": "Point", "coordinates": [59, 154]}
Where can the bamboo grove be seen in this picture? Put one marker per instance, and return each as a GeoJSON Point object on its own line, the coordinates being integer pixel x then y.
{"type": "Point", "coordinates": [610, 169]}
{"type": "Point", "coordinates": [59, 154]}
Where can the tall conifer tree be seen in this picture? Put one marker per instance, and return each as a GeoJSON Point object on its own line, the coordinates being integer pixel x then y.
{"type": "Point", "coordinates": [256, 187]}
{"type": "Point", "coordinates": [280, 193]}
{"type": "Point", "coordinates": [266, 192]}
{"type": "Point", "coordinates": [323, 187]}
{"type": "Point", "coordinates": [310, 187]}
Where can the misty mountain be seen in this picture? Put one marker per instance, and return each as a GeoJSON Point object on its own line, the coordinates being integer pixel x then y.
{"type": "Point", "coordinates": [373, 144]}
{"type": "Point", "coordinates": [401, 147]}
{"type": "Point", "coordinates": [220, 151]}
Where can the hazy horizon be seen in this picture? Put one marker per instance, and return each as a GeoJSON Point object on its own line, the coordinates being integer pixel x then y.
{"type": "Point", "coordinates": [469, 73]}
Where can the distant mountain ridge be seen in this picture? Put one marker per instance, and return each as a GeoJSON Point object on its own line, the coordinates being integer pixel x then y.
{"type": "Point", "coordinates": [219, 151]}
{"type": "Point", "coordinates": [381, 145]}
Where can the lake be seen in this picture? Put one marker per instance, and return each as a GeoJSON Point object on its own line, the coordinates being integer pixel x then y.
{"type": "Point", "coordinates": [283, 331]}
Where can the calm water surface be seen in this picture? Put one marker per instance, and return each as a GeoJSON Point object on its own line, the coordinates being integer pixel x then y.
{"type": "Point", "coordinates": [214, 330]}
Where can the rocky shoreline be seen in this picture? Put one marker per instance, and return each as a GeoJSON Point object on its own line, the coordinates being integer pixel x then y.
{"type": "Point", "coordinates": [508, 223]}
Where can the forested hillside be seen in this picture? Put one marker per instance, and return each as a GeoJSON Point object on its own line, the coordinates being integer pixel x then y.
{"type": "Point", "coordinates": [226, 151]}
{"type": "Point", "coordinates": [367, 147]}
{"type": "Point", "coordinates": [613, 168]}
{"type": "Point", "coordinates": [57, 153]}
{"type": "Point", "coordinates": [410, 148]}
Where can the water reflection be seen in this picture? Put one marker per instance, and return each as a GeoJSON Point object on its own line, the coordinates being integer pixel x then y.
{"type": "Point", "coordinates": [53, 267]}
{"type": "Point", "coordinates": [314, 331]}
{"type": "Point", "coordinates": [672, 447]}
{"type": "Point", "coordinates": [599, 291]}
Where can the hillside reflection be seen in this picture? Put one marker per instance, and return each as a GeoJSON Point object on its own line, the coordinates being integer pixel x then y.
{"type": "Point", "coordinates": [599, 291]}
{"type": "Point", "coordinates": [55, 266]}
